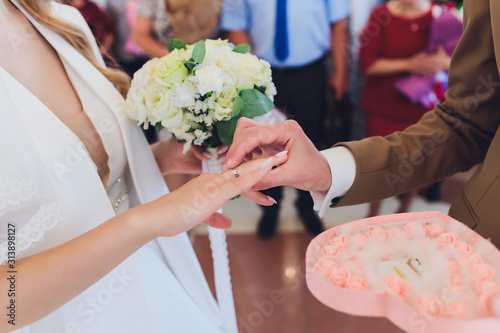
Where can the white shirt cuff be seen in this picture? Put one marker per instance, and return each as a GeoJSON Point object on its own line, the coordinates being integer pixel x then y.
{"type": "Point", "coordinates": [343, 169]}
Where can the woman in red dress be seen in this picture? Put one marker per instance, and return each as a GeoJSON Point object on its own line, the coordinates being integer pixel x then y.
{"type": "Point", "coordinates": [99, 23]}
{"type": "Point", "coordinates": [392, 45]}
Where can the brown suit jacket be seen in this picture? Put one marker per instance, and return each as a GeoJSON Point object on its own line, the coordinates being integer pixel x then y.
{"type": "Point", "coordinates": [456, 135]}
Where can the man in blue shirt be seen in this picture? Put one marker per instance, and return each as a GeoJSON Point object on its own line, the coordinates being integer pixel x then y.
{"type": "Point", "coordinates": [295, 37]}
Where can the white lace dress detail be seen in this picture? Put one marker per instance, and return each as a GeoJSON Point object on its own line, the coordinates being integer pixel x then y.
{"type": "Point", "coordinates": [16, 189]}
{"type": "Point", "coordinates": [22, 206]}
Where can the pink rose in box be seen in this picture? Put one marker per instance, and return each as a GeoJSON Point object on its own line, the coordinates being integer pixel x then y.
{"type": "Point", "coordinates": [428, 304]}
{"type": "Point", "coordinates": [395, 233]}
{"type": "Point", "coordinates": [340, 241]}
{"type": "Point", "coordinates": [487, 286]}
{"type": "Point", "coordinates": [435, 229]}
{"type": "Point", "coordinates": [325, 265]}
{"type": "Point", "coordinates": [339, 276]}
{"type": "Point", "coordinates": [377, 234]}
{"type": "Point", "coordinates": [397, 285]}
{"type": "Point", "coordinates": [459, 310]}
{"type": "Point", "coordinates": [356, 282]}
{"type": "Point", "coordinates": [463, 248]}
{"type": "Point", "coordinates": [331, 251]}
{"type": "Point", "coordinates": [414, 230]}
{"type": "Point", "coordinates": [474, 259]}
{"type": "Point", "coordinates": [447, 238]}
{"type": "Point", "coordinates": [483, 271]}
{"type": "Point", "coordinates": [358, 241]}
{"type": "Point", "coordinates": [455, 274]}
{"type": "Point", "coordinates": [457, 279]}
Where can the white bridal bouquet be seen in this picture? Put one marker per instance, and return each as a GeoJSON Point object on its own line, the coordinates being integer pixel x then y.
{"type": "Point", "coordinates": [198, 92]}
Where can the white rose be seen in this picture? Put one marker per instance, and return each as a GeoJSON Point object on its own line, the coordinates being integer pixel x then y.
{"type": "Point", "coordinates": [160, 106]}
{"type": "Point", "coordinates": [222, 104]}
{"type": "Point", "coordinates": [210, 78]}
{"type": "Point", "coordinates": [216, 52]}
{"type": "Point", "coordinates": [143, 76]}
{"type": "Point", "coordinates": [226, 60]}
{"type": "Point", "coordinates": [169, 71]}
{"type": "Point", "coordinates": [136, 102]}
{"type": "Point", "coordinates": [221, 113]}
{"type": "Point", "coordinates": [136, 107]}
{"type": "Point", "coordinates": [141, 79]}
{"type": "Point", "coordinates": [177, 54]}
{"type": "Point", "coordinates": [249, 71]}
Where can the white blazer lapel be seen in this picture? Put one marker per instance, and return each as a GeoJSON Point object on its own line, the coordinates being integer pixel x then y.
{"type": "Point", "coordinates": [149, 184]}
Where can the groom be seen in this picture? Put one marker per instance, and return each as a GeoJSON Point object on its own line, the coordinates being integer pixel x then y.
{"type": "Point", "coordinates": [458, 134]}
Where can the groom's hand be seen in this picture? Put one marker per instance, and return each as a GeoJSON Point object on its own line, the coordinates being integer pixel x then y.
{"type": "Point", "coordinates": [305, 168]}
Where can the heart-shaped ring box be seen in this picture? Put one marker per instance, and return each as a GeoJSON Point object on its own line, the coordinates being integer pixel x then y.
{"type": "Point", "coordinates": [384, 303]}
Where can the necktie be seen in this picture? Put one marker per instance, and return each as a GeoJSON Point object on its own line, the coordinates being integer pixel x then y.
{"type": "Point", "coordinates": [281, 33]}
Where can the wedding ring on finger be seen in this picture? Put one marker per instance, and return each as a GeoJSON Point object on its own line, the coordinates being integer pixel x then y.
{"type": "Point", "coordinates": [235, 172]}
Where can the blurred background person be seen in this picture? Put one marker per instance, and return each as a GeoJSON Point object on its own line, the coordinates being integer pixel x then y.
{"type": "Point", "coordinates": [158, 21]}
{"type": "Point", "coordinates": [392, 45]}
{"type": "Point", "coordinates": [360, 12]}
{"type": "Point", "coordinates": [99, 22]}
{"type": "Point", "coordinates": [193, 20]}
{"type": "Point", "coordinates": [295, 37]}
{"type": "Point", "coordinates": [126, 52]}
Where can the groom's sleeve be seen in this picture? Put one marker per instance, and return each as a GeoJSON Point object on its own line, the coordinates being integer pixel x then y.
{"type": "Point", "coordinates": [343, 169]}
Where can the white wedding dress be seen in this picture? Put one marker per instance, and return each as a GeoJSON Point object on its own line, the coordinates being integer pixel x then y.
{"type": "Point", "coordinates": [50, 190]}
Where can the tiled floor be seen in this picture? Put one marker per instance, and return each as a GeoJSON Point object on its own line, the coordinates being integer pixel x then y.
{"type": "Point", "coordinates": [270, 291]}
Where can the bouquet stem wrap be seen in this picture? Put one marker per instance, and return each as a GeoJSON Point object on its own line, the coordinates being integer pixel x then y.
{"type": "Point", "coordinates": [218, 244]}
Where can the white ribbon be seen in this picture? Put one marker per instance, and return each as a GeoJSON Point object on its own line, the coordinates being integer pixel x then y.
{"type": "Point", "coordinates": [222, 276]}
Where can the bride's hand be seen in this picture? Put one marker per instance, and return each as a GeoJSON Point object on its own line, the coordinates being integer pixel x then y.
{"type": "Point", "coordinates": [171, 159]}
{"type": "Point", "coordinates": [198, 200]}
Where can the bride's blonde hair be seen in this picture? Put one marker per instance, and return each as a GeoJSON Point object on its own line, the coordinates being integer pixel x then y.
{"type": "Point", "coordinates": [40, 10]}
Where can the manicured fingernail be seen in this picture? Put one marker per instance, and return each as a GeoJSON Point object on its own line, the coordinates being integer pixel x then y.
{"type": "Point", "coordinates": [223, 149]}
{"type": "Point", "coordinates": [228, 163]}
{"type": "Point", "coordinates": [224, 168]}
{"type": "Point", "coordinates": [271, 199]}
{"type": "Point", "coordinates": [282, 153]}
{"type": "Point", "coordinates": [266, 163]}
{"type": "Point", "coordinates": [207, 154]}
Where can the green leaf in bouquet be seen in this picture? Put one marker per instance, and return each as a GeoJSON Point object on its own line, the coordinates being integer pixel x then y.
{"type": "Point", "coordinates": [262, 89]}
{"type": "Point", "coordinates": [159, 127]}
{"type": "Point", "coordinates": [225, 130]}
{"type": "Point", "coordinates": [255, 103]}
{"type": "Point", "coordinates": [190, 64]}
{"type": "Point", "coordinates": [212, 142]}
{"type": "Point", "coordinates": [242, 48]}
{"type": "Point", "coordinates": [199, 52]}
{"type": "Point", "coordinates": [175, 43]}
{"type": "Point", "coordinates": [237, 106]}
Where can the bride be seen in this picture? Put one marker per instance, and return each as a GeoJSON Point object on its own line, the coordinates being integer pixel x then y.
{"type": "Point", "coordinates": [90, 241]}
